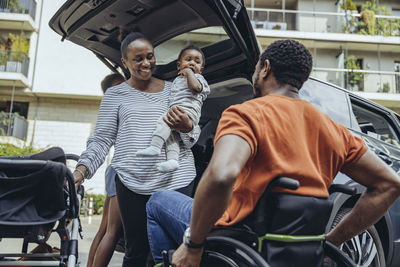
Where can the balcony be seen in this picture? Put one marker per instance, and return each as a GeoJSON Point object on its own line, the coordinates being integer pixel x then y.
{"type": "Point", "coordinates": [382, 85]}
{"type": "Point", "coordinates": [322, 22]}
{"type": "Point", "coordinates": [18, 14]}
{"type": "Point", "coordinates": [14, 68]}
{"type": "Point", "coordinates": [13, 125]}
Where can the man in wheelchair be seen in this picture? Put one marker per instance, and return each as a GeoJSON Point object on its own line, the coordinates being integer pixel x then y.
{"type": "Point", "coordinates": [275, 134]}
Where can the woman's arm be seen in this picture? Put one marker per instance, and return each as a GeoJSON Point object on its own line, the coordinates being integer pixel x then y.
{"type": "Point", "coordinates": [177, 119]}
{"type": "Point", "coordinates": [103, 138]}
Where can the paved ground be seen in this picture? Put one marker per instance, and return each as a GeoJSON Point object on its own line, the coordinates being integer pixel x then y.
{"type": "Point", "coordinates": [89, 231]}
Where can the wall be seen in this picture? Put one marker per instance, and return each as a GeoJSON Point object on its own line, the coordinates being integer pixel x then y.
{"type": "Point", "coordinates": [64, 67]}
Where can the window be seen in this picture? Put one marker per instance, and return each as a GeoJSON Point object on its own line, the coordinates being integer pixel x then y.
{"type": "Point", "coordinates": [168, 51]}
{"type": "Point", "coordinates": [329, 100]}
{"type": "Point", "coordinates": [17, 107]}
{"type": "Point", "coordinates": [375, 124]}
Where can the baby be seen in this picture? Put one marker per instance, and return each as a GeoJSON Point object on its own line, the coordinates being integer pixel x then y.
{"type": "Point", "coordinates": [188, 91]}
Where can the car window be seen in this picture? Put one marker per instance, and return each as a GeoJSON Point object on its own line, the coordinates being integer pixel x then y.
{"type": "Point", "coordinates": [169, 50]}
{"type": "Point", "coordinates": [329, 100]}
{"type": "Point", "coordinates": [375, 124]}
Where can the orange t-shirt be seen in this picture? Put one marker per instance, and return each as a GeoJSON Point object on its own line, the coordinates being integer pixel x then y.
{"type": "Point", "coordinates": [288, 137]}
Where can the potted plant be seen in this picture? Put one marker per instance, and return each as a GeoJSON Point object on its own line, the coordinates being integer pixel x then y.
{"type": "Point", "coordinates": [353, 80]}
{"type": "Point", "coordinates": [386, 87]}
{"type": "Point", "coordinates": [15, 6]}
{"type": "Point", "coordinates": [349, 7]}
{"type": "Point", "coordinates": [19, 49]}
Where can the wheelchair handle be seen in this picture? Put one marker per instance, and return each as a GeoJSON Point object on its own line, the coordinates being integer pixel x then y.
{"type": "Point", "coordinates": [72, 156]}
{"type": "Point", "coordinates": [342, 188]}
{"type": "Point", "coordinates": [285, 182]}
{"type": "Point", "coordinates": [167, 258]}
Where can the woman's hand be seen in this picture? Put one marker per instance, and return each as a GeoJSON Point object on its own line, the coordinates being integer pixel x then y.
{"type": "Point", "coordinates": [177, 119]}
{"type": "Point", "coordinates": [78, 177]}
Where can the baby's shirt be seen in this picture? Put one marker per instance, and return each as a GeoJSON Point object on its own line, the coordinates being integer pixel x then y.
{"type": "Point", "coordinates": [187, 99]}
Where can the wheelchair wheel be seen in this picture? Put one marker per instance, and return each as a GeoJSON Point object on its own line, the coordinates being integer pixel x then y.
{"type": "Point", "coordinates": [224, 251]}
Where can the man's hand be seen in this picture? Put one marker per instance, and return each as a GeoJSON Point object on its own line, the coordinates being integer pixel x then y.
{"type": "Point", "coordinates": [187, 257]}
{"type": "Point", "coordinates": [178, 120]}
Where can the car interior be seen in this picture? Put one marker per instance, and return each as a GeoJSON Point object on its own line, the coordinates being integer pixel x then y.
{"type": "Point", "coordinates": [375, 125]}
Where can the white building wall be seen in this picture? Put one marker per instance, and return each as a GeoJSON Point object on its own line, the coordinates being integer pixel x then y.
{"type": "Point", "coordinates": [64, 67]}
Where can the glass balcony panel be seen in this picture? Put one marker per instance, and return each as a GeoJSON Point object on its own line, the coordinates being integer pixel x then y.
{"type": "Point", "coordinates": [324, 22]}
{"type": "Point", "coordinates": [361, 80]}
{"type": "Point", "coordinates": [13, 125]}
{"type": "Point", "coordinates": [14, 61]}
{"type": "Point", "coordinates": [19, 6]}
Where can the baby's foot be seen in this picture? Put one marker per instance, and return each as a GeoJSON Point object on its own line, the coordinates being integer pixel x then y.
{"type": "Point", "coordinates": [168, 166]}
{"type": "Point", "coordinates": [148, 152]}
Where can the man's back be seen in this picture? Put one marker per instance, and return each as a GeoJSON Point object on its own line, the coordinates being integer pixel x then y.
{"type": "Point", "coordinates": [288, 137]}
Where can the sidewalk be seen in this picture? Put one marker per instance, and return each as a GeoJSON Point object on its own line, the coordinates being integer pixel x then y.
{"type": "Point", "coordinates": [89, 231]}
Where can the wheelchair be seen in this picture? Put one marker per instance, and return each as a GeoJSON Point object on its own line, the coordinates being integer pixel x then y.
{"type": "Point", "coordinates": [38, 197]}
{"type": "Point", "coordinates": [247, 244]}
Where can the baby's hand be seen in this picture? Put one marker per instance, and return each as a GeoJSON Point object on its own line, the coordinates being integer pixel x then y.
{"type": "Point", "coordinates": [185, 72]}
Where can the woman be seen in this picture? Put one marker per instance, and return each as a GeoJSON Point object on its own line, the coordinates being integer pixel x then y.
{"type": "Point", "coordinates": [127, 118]}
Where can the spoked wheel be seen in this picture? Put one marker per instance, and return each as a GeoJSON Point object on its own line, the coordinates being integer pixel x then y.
{"type": "Point", "coordinates": [225, 251]}
{"type": "Point", "coordinates": [365, 249]}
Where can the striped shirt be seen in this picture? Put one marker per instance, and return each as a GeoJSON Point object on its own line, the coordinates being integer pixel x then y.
{"type": "Point", "coordinates": [127, 118]}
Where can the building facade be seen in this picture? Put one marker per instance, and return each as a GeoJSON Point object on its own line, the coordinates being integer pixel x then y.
{"type": "Point", "coordinates": [355, 44]}
{"type": "Point", "coordinates": [50, 90]}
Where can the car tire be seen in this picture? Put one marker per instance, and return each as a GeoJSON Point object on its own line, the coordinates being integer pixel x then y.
{"type": "Point", "coordinates": [365, 249]}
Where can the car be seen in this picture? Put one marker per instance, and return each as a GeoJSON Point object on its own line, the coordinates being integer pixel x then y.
{"type": "Point", "coordinates": [224, 32]}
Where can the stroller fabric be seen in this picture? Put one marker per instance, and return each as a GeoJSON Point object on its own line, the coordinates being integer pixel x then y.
{"type": "Point", "coordinates": [32, 188]}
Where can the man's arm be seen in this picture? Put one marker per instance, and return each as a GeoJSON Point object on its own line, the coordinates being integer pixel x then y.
{"type": "Point", "coordinates": [383, 189]}
{"type": "Point", "coordinates": [215, 188]}
{"type": "Point", "coordinates": [213, 194]}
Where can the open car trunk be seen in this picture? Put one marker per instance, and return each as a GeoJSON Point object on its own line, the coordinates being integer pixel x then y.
{"type": "Point", "coordinates": [220, 27]}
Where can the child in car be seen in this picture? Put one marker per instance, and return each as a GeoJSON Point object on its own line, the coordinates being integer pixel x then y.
{"type": "Point", "coordinates": [188, 92]}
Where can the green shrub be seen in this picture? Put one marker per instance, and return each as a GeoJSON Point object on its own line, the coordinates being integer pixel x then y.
{"type": "Point", "coordinates": [98, 202]}
{"type": "Point", "coordinates": [11, 150]}
{"type": "Point", "coordinates": [386, 88]}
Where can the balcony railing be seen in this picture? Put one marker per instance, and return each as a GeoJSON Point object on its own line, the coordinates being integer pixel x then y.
{"type": "Point", "coordinates": [331, 22]}
{"type": "Point", "coordinates": [19, 6]}
{"type": "Point", "coordinates": [361, 80]}
{"type": "Point", "coordinates": [14, 61]}
{"type": "Point", "coordinates": [13, 125]}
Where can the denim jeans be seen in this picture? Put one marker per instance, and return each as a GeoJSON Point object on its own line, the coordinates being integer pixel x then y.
{"type": "Point", "coordinates": [168, 216]}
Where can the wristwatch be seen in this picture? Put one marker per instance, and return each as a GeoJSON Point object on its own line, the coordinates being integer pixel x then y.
{"type": "Point", "coordinates": [188, 243]}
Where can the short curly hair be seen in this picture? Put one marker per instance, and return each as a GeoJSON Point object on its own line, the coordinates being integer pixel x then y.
{"type": "Point", "coordinates": [290, 62]}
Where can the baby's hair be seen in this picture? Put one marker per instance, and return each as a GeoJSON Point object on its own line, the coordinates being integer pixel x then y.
{"type": "Point", "coordinates": [192, 47]}
{"type": "Point", "coordinates": [108, 81]}
{"type": "Point", "coordinates": [127, 36]}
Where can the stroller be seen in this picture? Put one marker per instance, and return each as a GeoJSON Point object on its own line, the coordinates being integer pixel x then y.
{"type": "Point", "coordinates": [38, 197]}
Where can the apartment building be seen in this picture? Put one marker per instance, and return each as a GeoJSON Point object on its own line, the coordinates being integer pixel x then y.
{"type": "Point", "coordinates": [355, 44]}
{"type": "Point", "coordinates": [54, 86]}
{"type": "Point", "coordinates": [50, 88]}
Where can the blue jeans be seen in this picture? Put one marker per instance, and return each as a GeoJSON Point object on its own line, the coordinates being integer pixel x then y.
{"type": "Point", "coordinates": [168, 216]}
